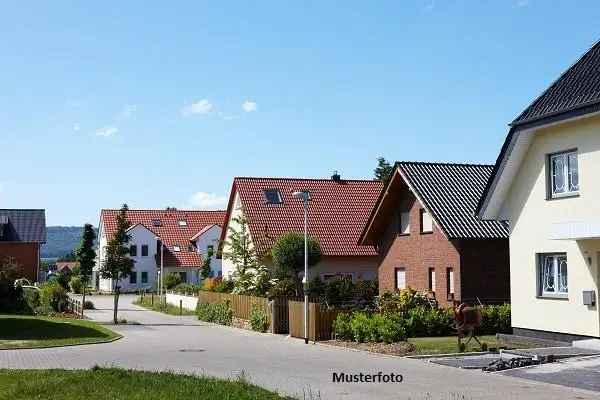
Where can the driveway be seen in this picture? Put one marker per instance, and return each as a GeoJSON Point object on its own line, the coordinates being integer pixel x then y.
{"type": "Point", "coordinates": [288, 365]}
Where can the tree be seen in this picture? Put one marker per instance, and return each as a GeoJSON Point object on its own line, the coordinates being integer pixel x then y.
{"type": "Point", "coordinates": [206, 272]}
{"type": "Point", "coordinates": [384, 170]}
{"type": "Point", "coordinates": [172, 279]}
{"type": "Point", "coordinates": [117, 265]}
{"type": "Point", "coordinates": [288, 256]}
{"type": "Point", "coordinates": [70, 256]}
{"type": "Point", "coordinates": [86, 256]}
{"type": "Point", "coordinates": [240, 249]}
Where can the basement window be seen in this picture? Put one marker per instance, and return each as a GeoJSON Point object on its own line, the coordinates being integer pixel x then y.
{"type": "Point", "coordinates": [273, 196]}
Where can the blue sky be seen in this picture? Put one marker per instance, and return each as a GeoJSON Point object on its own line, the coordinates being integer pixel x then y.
{"type": "Point", "coordinates": [162, 105]}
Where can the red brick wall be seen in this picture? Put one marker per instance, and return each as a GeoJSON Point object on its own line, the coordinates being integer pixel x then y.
{"type": "Point", "coordinates": [26, 254]}
{"type": "Point", "coordinates": [417, 253]}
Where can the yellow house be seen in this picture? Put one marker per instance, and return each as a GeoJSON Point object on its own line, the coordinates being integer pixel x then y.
{"type": "Point", "coordinates": [546, 183]}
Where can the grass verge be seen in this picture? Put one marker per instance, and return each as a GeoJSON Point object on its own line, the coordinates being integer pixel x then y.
{"type": "Point", "coordinates": [26, 331]}
{"type": "Point", "coordinates": [170, 309]}
{"type": "Point", "coordinates": [112, 383]}
{"type": "Point", "coordinates": [448, 344]}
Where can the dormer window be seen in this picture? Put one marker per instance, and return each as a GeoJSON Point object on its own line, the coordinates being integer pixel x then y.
{"type": "Point", "coordinates": [273, 196]}
{"type": "Point", "coordinates": [176, 248]}
{"type": "Point", "coordinates": [156, 222]}
{"type": "Point", "coordinates": [564, 174]}
{"type": "Point", "coordinates": [182, 222]}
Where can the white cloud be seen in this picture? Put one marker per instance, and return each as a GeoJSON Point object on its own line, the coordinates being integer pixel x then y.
{"type": "Point", "coordinates": [128, 111]}
{"type": "Point", "coordinates": [249, 106]}
{"type": "Point", "coordinates": [207, 201]}
{"type": "Point", "coordinates": [428, 5]}
{"type": "Point", "coordinates": [521, 3]}
{"type": "Point", "coordinates": [107, 131]}
{"type": "Point", "coordinates": [76, 127]}
{"type": "Point", "coordinates": [199, 107]}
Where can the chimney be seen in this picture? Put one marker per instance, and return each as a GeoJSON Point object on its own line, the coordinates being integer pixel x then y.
{"type": "Point", "coordinates": [336, 177]}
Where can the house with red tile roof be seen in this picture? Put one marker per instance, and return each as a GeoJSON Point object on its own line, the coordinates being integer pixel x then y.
{"type": "Point", "coordinates": [180, 239]}
{"type": "Point", "coordinates": [337, 213]}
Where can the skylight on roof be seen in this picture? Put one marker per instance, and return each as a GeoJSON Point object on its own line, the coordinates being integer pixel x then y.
{"type": "Point", "coordinates": [273, 196]}
{"type": "Point", "coordinates": [156, 222]}
{"type": "Point", "coordinates": [176, 248]}
{"type": "Point", "coordinates": [182, 222]}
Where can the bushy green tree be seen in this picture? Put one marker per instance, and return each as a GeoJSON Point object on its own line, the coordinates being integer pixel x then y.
{"type": "Point", "coordinates": [86, 256]}
{"type": "Point", "coordinates": [117, 265]}
{"type": "Point", "coordinates": [240, 251]}
{"type": "Point", "coordinates": [288, 256]}
{"type": "Point", "coordinates": [172, 279]}
{"type": "Point", "coordinates": [384, 170]}
{"type": "Point", "coordinates": [206, 272]}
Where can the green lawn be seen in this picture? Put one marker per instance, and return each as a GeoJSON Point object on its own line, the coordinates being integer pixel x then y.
{"type": "Point", "coordinates": [146, 302]}
{"type": "Point", "coordinates": [448, 344]}
{"type": "Point", "coordinates": [116, 384]}
{"type": "Point", "coordinates": [25, 331]}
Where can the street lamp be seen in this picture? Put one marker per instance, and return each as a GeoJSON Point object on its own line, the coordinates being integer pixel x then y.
{"type": "Point", "coordinates": [160, 280]}
{"type": "Point", "coordinates": [305, 197]}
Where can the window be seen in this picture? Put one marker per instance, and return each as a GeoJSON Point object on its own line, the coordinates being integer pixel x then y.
{"type": "Point", "coordinates": [432, 280]}
{"type": "Point", "coordinates": [450, 282]}
{"type": "Point", "coordinates": [144, 250]}
{"type": "Point", "coordinates": [564, 174]}
{"type": "Point", "coordinates": [183, 276]}
{"type": "Point", "coordinates": [176, 248]}
{"type": "Point", "coordinates": [426, 222]}
{"type": "Point", "coordinates": [552, 275]}
{"type": "Point", "coordinates": [182, 222]}
{"type": "Point", "coordinates": [400, 278]}
{"type": "Point", "coordinates": [156, 222]}
{"type": "Point", "coordinates": [405, 223]}
{"type": "Point", "coordinates": [133, 250]}
{"type": "Point", "coordinates": [273, 196]}
{"type": "Point", "coordinates": [144, 277]}
{"type": "Point", "coordinates": [133, 278]}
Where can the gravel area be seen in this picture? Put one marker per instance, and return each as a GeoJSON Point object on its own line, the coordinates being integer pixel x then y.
{"type": "Point", "coordinates": [394, 349]}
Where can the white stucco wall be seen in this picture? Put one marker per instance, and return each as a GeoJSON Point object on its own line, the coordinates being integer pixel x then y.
{"type": "Point", "coordinates": [210, 238]}
{"type": "Point", "coordinates": [227, 266]}
{"type": "Point", "coordinates": [532, 219]}
{"type": "Point", "coordinates": [187, 302]}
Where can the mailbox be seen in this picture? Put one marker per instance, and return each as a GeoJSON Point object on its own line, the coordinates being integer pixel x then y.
{"type": "Point", "coordinates": [589, 297]}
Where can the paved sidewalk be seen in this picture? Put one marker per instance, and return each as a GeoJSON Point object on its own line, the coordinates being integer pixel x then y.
{"type": "Point", "coordinates": [275, 362]}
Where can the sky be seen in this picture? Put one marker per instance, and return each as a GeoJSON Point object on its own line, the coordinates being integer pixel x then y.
{"type": "Point", "coordinates": [158, 104]}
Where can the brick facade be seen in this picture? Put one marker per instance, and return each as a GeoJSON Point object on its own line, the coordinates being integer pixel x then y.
{"type": "Point", "coordinates": [480, 267]}
{"type": "Point", "coordinates": [25, 254]}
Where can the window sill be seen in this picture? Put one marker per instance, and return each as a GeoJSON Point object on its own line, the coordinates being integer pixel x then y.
{"type": "Point", "coordinates": [427, 233]}
{"type": "Point", "coordinates": [404, 234]}
{"type": "Point", "coordinates": [563, 196]}
{"type": "Point", "coordinates": [553, 296]}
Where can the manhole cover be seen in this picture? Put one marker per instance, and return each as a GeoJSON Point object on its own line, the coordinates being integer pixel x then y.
{"type": "Point", "coordinates": [191, 350]}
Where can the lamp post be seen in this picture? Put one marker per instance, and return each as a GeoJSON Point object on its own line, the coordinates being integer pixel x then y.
{"type": "Point", "coordinates": [305, 197]}
{"type": "Point", "coordinates": [160, 278]}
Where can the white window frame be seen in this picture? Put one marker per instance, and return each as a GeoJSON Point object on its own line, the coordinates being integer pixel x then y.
{"type": "Point", "coordinates": [182, 222]}
{"type": "Point", "coordinates": [553, 275]}
{"type": "Point", "coordinates": [397, 283]}
{"type": "Point", "coordinates": [570, 188]}
{"type": "Point", "coordinates": [422, 214]}
{"type": "Point", "coordinates": [431, 279]}
{"type": "Point", "coordinates": [405, 223]}
{"type": "Point", "coordinates": [176, 248]}
{"type": "Point", "coordinates": [450, 278]}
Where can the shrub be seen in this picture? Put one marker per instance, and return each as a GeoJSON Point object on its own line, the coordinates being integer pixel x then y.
{"type": "Point", "coordinates": [53, 297]}
{"type": "Point", "coordinates": [258, 319]}
{"type": "Point", "coordinates": [172, 279]}
{"type": "Point", "coordinates": [285, 287]}
{"type": "Point", "coordinates": [89, 305]}
{"type": "Point", "coordinates": [339, 291]}
{"type": "Point", "coordinates": [360, 326]}
{"type": "Point", "coordinates": [219, 313]}
{"type": "Point", "coordinates": [401, 302]}
{"type": "Point", "coordinates": [209, 284]}
{"type": "Point", "coordinates": [342, 327]}
{"type": "Point", "coordinates": [224, 286]}
{"type": "Point", "coordinates": [371, 328]}
{"type": "Point", "coordinates": [76, 284]}
{"type": "Point", "coordinates": [187, 288]}
{"type": "Point", "coordinates": [495, 319]}
{"type": "Point", "coordinates": [32, 300]}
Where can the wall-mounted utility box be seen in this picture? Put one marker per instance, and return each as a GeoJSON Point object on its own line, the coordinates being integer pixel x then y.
{"type": "Point", "coordinates": [589, 297]}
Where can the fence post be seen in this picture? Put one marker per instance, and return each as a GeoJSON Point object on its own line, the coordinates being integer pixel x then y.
{"type": "Point", "coordinates": [180, 307]}
{"type": "Point", "coordinates": [152, 299]}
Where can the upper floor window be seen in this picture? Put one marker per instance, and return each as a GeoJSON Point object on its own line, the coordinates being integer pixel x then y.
{"type": "Point", "coordinates": [133, 250]}
{"type": "Point", "coordinates": [553, 274]}
{"type": "Point", "coordinates": [564, 174]}
{"type": "Point", "coordinates": [144, 250]}
{"type": "Point", "coordinates": [405, 223]}
{"type": "Point", "coordinates": [273, 196]}
{"type": "Point", "coordinates": [426, 222]}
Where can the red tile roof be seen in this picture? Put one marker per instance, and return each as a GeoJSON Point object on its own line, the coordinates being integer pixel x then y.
{"type": "Point", "coordinates": [338, 211]}
{"type": "Point", "coordinates": [170, 232]}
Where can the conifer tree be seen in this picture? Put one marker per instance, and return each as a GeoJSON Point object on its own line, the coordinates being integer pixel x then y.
{"type": "Point", "coordinates": [86, 256]}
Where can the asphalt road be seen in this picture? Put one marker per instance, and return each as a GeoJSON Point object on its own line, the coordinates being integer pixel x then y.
{"type": "Point", "coordinates": [183, 344]}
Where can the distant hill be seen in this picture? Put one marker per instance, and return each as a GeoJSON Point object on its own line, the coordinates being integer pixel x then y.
{"type": "Point", "coordinates": [61, 240]}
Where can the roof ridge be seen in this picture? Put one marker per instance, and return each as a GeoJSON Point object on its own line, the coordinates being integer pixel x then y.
{"type": "Point", "coordinates": [444, 163]}
{"type": "Point", "coordinates": [303, 179]}
{"type": "Point", "coordinates": [22, 209]}
{"type": "Point", "coordinates": [516, 121]}
{"type": "Point", "coordinates": [160, 210]}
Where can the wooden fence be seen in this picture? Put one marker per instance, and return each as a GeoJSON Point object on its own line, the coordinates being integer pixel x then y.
{"type": "Point", "coordinates": [320, 320]}
{"type": "Point", "coordinates": [241, 305]}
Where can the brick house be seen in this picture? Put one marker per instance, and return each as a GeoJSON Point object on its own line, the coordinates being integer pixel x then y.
{"type": "Point", "coordinates": [428, 237]}
{"type": "Point", "coordinates": [337, 212]}
{"type": "Point", "coordinates": [22, 233]}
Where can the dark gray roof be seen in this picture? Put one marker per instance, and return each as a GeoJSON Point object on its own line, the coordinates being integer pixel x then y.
{"type": "Point", "coordinates": [451, 193]}
{"type": "Point", "coordinates": [23, 225]}
{"type": "Point", "coordinates": [578, 86]}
